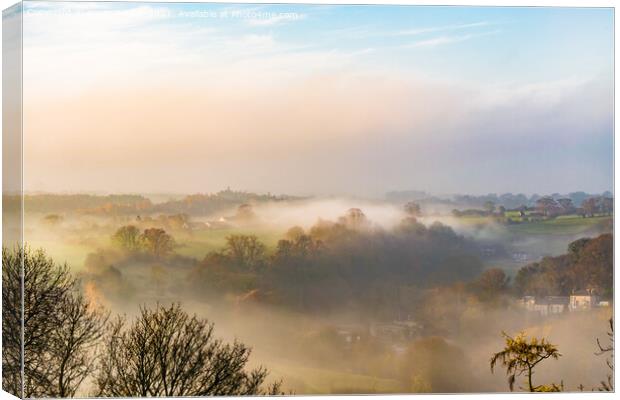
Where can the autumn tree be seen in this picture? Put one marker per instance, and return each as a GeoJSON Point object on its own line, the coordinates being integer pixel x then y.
{"type": "Point", "coordinates": [590, 206]}
{"type": "Point", "coordinates": [587, 264]}
{"type": "Point", "coordinates": [176, 221]}
{"type": "Point", "coordinates": [491, 284]}
{"type": "Point", "coordinates": [294, 233]}
{"type": "Point", "coordinates": [61, 327]}
{"type": "Point", "coordinates": [245, 251]}
{"type": "Point", "coordinates": [548, 206]}
{"type": "Point", "coordinates": [292, 264]}
{"type": "Point", "coordinates": [566, 205]}
{"type": "Point", "coordinates": [489, 207]}
{"type": "Point", "coordinates": [607, 205]}
{"type": "Point", "coordinates": [354, 219]}
{"type": "Point", "coordinates": [412, 209]}
{"type": "Point", "coordinates": [53, 219]}
{"type": "Point", "coordinates": [128, 238]}
{"type": "Point", "coordinates": [521, 355]}
{"type": "Point", "coordinates": [245, 213]}
{"type": "Point", "coordinates": [166, 352]}
{"type": "Point", "coordinates": [427, 363]}
{"type": "Point", "coordinates": [157, 242]}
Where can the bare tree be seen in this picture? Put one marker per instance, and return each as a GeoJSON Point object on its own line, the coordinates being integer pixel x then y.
{"type": "Point", "coordinates": [60, 326]}
{"type": "Point", "coordinates": [520, 356]}
{"type": "Point", "coordinates": [73, 343]}
{"type": "Point", "coordinates": [12, 321]}
{"type": "Point", "coordinates": [608, 385]}
{"type": "Point", "coordinates": [165, 352]}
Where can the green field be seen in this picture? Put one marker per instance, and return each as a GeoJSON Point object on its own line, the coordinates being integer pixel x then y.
{"type": "Point", "coordinates": [73, 250]}
{"type": "Point", "coordinates": [326, 381]}
{"type": "Point", "coordinates": [72, 254]}
{"type": "Point", "coordinates": [199, 243]}
{"type": "Point", "coordinates": [563, 225]}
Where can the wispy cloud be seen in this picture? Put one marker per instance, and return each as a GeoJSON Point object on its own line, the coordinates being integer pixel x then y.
{"type": "Point", "coordinates": [363, 32]}
{"type": "Point", "coordinates": [441, 40]}
{"type": "Point", "coordinates": [444, 28]}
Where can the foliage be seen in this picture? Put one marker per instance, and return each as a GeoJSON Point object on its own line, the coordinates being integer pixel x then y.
{"type": "Point", "coordinates": [588, 264]}
{"type": "Point", "coordinates": [348, 261]}
{"type": "Point", "coordinates": [491, 285]}
{"type": "Point", "coordinates": [53, 219]}
{"type": "Point", "coordinates": [245, 251]}
{"type": "Point", "coordinates": [157, 242]}
{"type": "Point", "coordinates": [245, 213]}
{"type": "Point", "coordinates": [127, 238]}
{"type": "Point", "coordinates": [109, 204]}
{"type": "Point", "coordinates": [429, 360]}
{"type": "Point", "coordinates": [206, 204]}
{"type": "Point", "coordinates": [599, 204]}
{"type": "Point", "coordinates": [520, 356]}
{"type": "Point", "coordinates": [489, 207]}
{"type": "Point", "coordinates": [413, 209]}
{"type": "Point", "coordinates": [154, 241]}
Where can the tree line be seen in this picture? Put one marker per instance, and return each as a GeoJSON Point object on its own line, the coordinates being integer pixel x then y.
{"type": "Point", "coordinates": [348, 261]}
{"type": "Point", "coordinates": [506, 200]}
{"type": "Point", "coordinates": [129, 204]}
{"type": "Point", "coordinates": [588, 264]}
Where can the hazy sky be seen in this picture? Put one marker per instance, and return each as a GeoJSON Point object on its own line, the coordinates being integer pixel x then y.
{"type": "Point", "coordinates": [317, 99]}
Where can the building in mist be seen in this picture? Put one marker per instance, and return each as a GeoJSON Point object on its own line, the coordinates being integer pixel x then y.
{"type": "Point", "coordinates": [583, 300]}
{"type": "Point", "coordinates": [546, 305]}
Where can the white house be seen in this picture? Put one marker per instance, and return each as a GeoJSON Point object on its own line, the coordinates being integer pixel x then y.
{"type": "Point", "coordinates": [583, 300]}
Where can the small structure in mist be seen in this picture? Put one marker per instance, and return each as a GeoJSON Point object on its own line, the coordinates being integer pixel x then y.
{"type": "Point", "coordinates": [581, 300]}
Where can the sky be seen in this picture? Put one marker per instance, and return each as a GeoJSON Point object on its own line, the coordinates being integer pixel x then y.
{"type": "Point", "coordinates": [324, 100]}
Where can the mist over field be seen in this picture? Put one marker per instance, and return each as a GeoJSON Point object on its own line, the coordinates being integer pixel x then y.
{"type": "Point", "coordinates": [342, 294]}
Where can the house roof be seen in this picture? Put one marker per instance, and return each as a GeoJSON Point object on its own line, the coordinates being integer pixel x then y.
{"type": "Point", "coordinates": [552, 300]}
{"type": "Point", "coordinates": [583, 293]}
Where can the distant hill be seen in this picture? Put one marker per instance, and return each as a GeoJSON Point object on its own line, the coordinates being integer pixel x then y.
{"type": "Point", "coordinates": [126, 204]}
{"type": "Point", "coordinates": [508, 200]}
